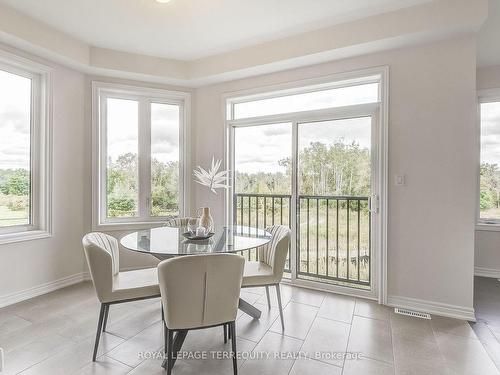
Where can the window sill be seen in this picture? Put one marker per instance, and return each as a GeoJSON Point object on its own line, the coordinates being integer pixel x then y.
{"type": "Point", "coordinates": [127, 226]}
{"type": "Point", "coordinates": [23, 236]}
{"type": "Point", "coordinates": [490, 227]}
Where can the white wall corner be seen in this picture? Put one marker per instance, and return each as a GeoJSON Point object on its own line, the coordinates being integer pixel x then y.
{"type": "Point", "coordinates": [487, 272]}
{"type": "Point", "coordinates": [433, 308]}
{"type": "Point", "coordinates": [22, 295]}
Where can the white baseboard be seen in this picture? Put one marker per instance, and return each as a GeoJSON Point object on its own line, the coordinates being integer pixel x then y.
{"type": "Point", "coordinates": [431, 307]}
{"type": "Point", "coordinates": [23, 295]}
{"type": "Point", "coordinates": [487, 272]}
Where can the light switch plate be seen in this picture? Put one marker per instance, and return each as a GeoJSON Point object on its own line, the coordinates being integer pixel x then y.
{"type": "Point", "coordinates": [399, 180]}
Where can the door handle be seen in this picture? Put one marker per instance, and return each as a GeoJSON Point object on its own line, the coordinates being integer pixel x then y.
{"type": "Point", "coordinates": [373, 204]}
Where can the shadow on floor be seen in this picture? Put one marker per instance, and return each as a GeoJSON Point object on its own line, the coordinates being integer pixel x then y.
{"type": "Point", "coordinates": [487, 309]}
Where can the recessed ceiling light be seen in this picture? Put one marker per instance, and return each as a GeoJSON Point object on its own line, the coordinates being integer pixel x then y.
{"type": "Point", "coordinates": [163, 1]}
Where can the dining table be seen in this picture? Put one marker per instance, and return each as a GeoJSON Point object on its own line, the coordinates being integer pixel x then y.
{"type": "Point", "coordinates": [168, 242]}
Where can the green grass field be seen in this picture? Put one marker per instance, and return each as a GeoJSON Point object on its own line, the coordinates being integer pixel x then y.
{"type": "Point", "coordinates": [326, 247]}
{"type": "Point", "coordinates": [9, 217]}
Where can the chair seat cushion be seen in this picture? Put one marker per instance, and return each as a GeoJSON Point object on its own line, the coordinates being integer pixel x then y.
{"type": "Point", "coordinates": [135, 284]}
{"type": "Point", "coordinates": [257, 273]}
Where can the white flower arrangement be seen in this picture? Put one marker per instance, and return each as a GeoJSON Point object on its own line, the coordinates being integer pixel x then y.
{"type": "Point", "coordinates": [213, 179]}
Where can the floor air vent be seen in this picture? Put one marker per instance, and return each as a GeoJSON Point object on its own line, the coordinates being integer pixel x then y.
{"type": "Point", "coordinates": [414, 314]}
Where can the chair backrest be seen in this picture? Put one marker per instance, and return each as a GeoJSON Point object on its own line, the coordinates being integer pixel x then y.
{"type": "Point", "coordinates": [275, 252]}
{"type": "Point", "coordinates": [102, 254]}
{"type": "Point", "coordinates": [177, 222]}
{"type": "Point", "coordinates": [200, 290]}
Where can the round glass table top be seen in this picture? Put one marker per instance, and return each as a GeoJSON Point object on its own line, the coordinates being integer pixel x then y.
{"type": "Point", "coordinates": [165, 242]}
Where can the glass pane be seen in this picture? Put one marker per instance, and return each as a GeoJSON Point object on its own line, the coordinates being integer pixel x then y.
{"type": "Point", "coordinates": [490, 161]}
{"type": "Point", "coordinates": [122, 158]}
{"type": "Point", "coordinates": [15, 133]}
{"type": "Point", "coordinates": [164, 159]}
{"type": "Point", "coordinates": [334, 157]}
{"type": "Point", "coordinates": [332, 98]}
{"type": "Point", "coordinates": [263, 177]}
{"type": "Point", "coordinates": [334, 183]}
{"type": "Point", "coordinates": [263, 159]}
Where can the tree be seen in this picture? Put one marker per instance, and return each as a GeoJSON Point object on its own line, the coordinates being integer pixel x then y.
{"type": "Point", "coordinates": [16, 183]}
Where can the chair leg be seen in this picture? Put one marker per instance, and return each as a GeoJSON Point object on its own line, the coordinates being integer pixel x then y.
{"type": "Point", "coordinates": [99, 330]}
{"type": "Point", "coordinates": [268, 298]}
{"type": "Point", "coordinates": [232, 329]}
{"type": "Point", "coordinates": [278, 293]}
{"type": "Point", "coordinates": [224, 326]}
{"type": "Point", "coordinates": [170, 350]}
{"type": "Point", "coordinates": [106, 312]}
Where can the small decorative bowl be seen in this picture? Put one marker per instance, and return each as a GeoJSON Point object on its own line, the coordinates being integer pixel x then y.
{"type": "Point", "coordinates": [193, 237]}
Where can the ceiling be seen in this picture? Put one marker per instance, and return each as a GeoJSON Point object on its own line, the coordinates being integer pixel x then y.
{"type": "Point", "coordinates": [194, 29]}
{"type": "Point", "coordinates": [489, 37]}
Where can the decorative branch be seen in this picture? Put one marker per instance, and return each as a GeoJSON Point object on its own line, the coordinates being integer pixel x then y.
{"type": "Point", "coordinates": [213, 179]}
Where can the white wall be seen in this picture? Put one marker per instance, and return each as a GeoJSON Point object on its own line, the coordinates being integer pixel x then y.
{"type": "Point", "coordinates": [431, 141]}
{"type": "Point", "coordinates": [30, 264]}
{"type": "Point", "coordinates": [487, 243]}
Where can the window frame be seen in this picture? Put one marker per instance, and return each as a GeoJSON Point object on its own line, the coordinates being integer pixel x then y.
{"type": "Point", "coordinates": [380, 109]}
{"type": "Point", "coordinates": [101, 91]}
{"type": "Point", "coordinates": [40, 225]}
{"type": "Point", "coordinates": [484, 96]}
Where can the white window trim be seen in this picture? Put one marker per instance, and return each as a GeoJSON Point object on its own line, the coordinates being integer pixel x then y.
{"type": "Point", "coordinates": [483, 96]}
{"type": "Point", "coordinates": [379, 291]}
{"type": "Point", "coordinates": [41, 149]}
{"type": "Point", "coordinates": [100, 89]}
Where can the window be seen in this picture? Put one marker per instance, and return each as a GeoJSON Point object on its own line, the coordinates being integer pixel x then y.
{"type": "Point", "coordinates": [24, 159]}
{"type": "Point", "coordinates": [489, 197]}
{"type": "Point", "coordinates": [140, 136]}
{"type": "Point", "coordinates": [343, 93]}
{"type": "Point", "coordinates": [310, 155]}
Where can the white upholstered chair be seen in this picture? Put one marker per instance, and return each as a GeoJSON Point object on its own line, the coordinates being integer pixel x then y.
{"type": "Point", "coordinates": [111, 285]}
{"type": "Point", "coordinates": [176, 222]}
{"type": "Point", "coordinates": [202, 291]}
{"type": "Point", "coordinates": [268, 270]}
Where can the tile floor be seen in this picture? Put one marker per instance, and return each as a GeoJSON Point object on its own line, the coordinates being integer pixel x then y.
{"type": "Point", "coordinates": [53, 334]}
{"type": "Point", "coordinates": [487, 309]}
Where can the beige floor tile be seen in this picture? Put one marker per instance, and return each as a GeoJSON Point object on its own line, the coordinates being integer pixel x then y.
{"type": "Point", "coordinates": [12, 323]}
{"type": "Point", "coordinates": [308, 296]}
{"type": "Point", "coordinates": [368, 366]}
{"type": "Point", "coordinates": [271, 345]}
{"type": "Point", "coordinates": [254, 329]}
{"type": "Point", "coordinates": [372, 338]}
{"type": "Point", "coordinates": [73, 356]}
{"type": "Point", "coordinates": [327, 341]}
{"type": "Point", "coordinates": [452, 327]}
{"type": "Point", "coordinates": [416, 357]}
{"type": "Point", "coordinates": [135, 322]}
{"type": "Point", "coordinates": [286, 296]}
{"type": "Point", "coordinates": [104, 366]}
{"type": "Point", "coordinates": [465, 356]}
{"type": "Point", "coordinates": [36, 351]}
{"type": "Point", "coordinates": [131, 352]}
{"type": "Point", "coordinates": [309, 366]}
{"type": "Point", "coordinates": [298, 319]}
{"type": "Point", "coordinates": [416, 328]}
{"type": "Point", "coordinates": [337, 307]}
{"type": "Point", "coordinates": [371, 309]}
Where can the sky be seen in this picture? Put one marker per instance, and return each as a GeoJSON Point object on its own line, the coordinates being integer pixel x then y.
{"type": "Point", "coordinates": [15, 104]}
{"type": "Point", "coordinates": [490, 133]}
{"type": "Point", "coordinates": [123, 129]}
{"type": "Point", "coordinates": [259, 148]}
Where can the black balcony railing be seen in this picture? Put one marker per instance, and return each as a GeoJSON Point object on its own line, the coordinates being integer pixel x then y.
{"type": "Point", "coordinates": [333, 233]}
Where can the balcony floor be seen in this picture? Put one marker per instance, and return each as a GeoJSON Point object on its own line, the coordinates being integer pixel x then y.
{"type": "Point", "coordinates": [54, 333]}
